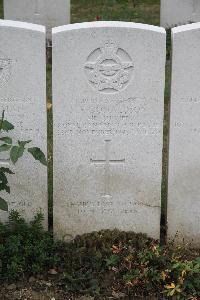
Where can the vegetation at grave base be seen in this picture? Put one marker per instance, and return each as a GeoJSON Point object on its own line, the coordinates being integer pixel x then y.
{"type": "Point", "coordinates": [24, 248]}
{"type": "Point", "coordinates": [14, 153]}
{"type": "Point", "coordinates": [101, 264]}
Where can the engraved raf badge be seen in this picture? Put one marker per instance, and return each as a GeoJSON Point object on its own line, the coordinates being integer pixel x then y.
{"type": "Point", "coordinates": [109, 68]}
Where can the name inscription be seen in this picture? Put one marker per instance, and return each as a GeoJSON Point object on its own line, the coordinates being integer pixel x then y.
{"type": "Point", "coordinates": [110, 118]}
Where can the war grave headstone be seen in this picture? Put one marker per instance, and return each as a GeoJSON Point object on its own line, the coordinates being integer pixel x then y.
{"type": "Point", "coordinates": [179, 12]}
{"type": "Point", "coordinates": [23, 97]}
{"type": "Point", "coordinates": [108, 87]}
{"type": "Point", "coordinates": [184, 162]}
{"type": "Point", "coordinates": [50, 13]}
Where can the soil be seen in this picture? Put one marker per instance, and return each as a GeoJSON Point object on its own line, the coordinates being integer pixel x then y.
{"type": "Point", "coordinates": [46, 290]}
{"type": "Point", "coordinates": [36, 290]}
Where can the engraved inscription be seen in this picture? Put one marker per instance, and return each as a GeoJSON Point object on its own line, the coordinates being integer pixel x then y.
{"type": "Point", "coordinates": [120, 117]}
{"type": "Point", "coordinates": [15, 109]}
{"type": "Point", "coordinates": [104, 207]}
{"type": "Point", "coordinates": [109, 68]}
{"type": "Point", "coordinates": [107, 162]}
{"type": "Point", "coordinates": [192, 127]}
{"type": "Point", "coordinates": [5, 69]}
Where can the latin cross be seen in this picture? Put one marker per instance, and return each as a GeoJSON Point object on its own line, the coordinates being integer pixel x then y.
{"type": "Point", "coordinates": [107, 162]}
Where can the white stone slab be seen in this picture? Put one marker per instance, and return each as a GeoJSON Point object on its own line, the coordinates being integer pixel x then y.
{"type": "Point", "coordinates": [108, 86]}
{"type": "Point", "coordinates": [179, 12]}
{"type": "Point", "coordinates": [23, 97]}
{"type": "Point", "coordinates": [50, 13]}
{"type": "Point", "coordinates": [184, 161]}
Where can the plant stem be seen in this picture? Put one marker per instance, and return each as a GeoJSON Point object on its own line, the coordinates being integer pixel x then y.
{"type": "Point", "coordinates": [1, 121]}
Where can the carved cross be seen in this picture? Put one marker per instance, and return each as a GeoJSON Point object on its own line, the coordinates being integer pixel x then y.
{"type": "Point", "coordinates": [107, 162]}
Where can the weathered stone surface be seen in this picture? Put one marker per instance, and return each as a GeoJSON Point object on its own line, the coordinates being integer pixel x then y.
{"type": "Point", "coordinates": [179, 12]}
{"type": "Point", "coordinates": [108, 86]}
{"type": "Point", "coordinates": [23, 97]}
{"type": "Point", "coordinates": [184, 162]}
{"type": "Point", "coordinates": [50, 13]}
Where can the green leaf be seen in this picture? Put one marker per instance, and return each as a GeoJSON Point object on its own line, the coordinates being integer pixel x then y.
{"type": "Point", "coordinates": [3, 179]}
{"type": "Point", "coordinates": [112, 260]}
{"type": "Point", "coordinates": [38, 155]}
{"type": "Point", "coordinates": [15, 153]}
{"type": "Point", "coordinates": [4, 182]}
{"type": "Point", "coordinates": [5, 147]}
{"type": "Point", "coordinates": [1, 120]}
{"type": "Point", "coordinates": [6, 140]}
{"type": "Point", "coordinates": [6, 170]}
{"type": "Point", "coordinates": [6, 188]}
{"type": "Point", "coordinates": [6, 126]}
{"type": "Point", "coordinates": [23, 143]}
{"type": "Point", "coordinates": [3, 204]}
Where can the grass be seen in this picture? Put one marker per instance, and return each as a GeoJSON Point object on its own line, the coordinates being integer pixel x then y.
{"type": "Point", "coordinates": [142, 11]}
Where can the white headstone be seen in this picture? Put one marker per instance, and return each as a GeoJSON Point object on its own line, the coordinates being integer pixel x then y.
{"type": "Point", "coordinates": [23, 97]}
{"type": "Point", "coordinates": [108, 86]}
{"type": "Point", "coordinates": [179, 12]}
{"type": "Point", "coordinates": [50, 13]}
{"type": "Point", "coordinates": [184, 160]}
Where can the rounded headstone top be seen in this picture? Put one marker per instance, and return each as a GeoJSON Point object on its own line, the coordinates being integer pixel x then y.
{"type": "Point", "coordinates": [111, 24]}
{"type": "Point", "coordinates": [22, 25]}
{"type": "Point", "coordinates": [187, 27]}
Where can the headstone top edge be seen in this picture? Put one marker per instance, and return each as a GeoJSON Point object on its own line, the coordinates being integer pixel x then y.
{"type": "Point", "coordinates": [22, 25]}
{"type": "Point", "coordinates": [108, 24]}
{"type": "Point", "coordinates": [187, 27]}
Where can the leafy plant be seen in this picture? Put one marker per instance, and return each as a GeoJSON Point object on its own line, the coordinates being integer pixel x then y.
{"type": "Point", "coordinates": [15, 152]}
{"type": "Point", "coordinates": [24, 248]}
{"type": "Point", "coordinates": [101, 264]}
{"type": "Point", "coordinates": [127, 263]}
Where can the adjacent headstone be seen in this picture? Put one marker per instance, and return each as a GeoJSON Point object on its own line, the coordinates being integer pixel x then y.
{"type": "Point", "coordinates": [108, 87]}
{"type": "Point", "coordinates": [179, 12]}
{"type": "Point", "coordinates": [23, 97]}
{"type": "Point", "coordinates": [184, 161]}
{"type": "Point", "coordinates": [50, 13]}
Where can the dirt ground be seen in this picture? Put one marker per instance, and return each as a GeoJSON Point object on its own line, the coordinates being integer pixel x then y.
{"type": "Point", "coordinates": [39, 290]}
